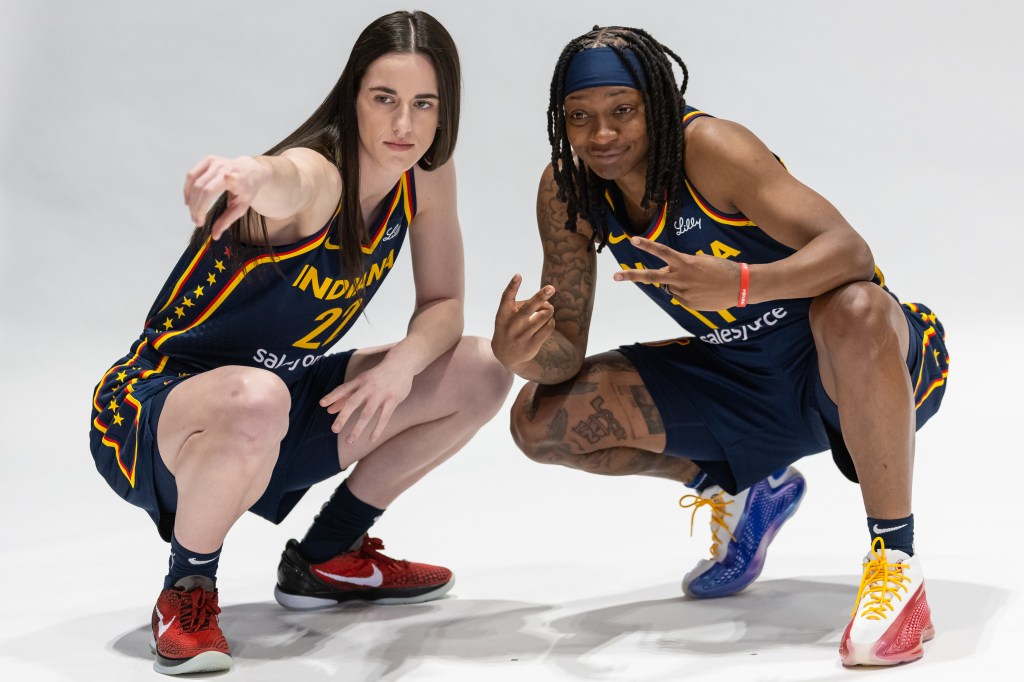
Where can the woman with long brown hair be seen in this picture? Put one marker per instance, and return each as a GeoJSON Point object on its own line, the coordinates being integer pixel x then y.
{"type": "Point", "coordinates": [228, 400]}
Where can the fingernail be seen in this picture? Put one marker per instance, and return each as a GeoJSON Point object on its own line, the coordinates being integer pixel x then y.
{"type": "Point", "coordinates": [635, 240]}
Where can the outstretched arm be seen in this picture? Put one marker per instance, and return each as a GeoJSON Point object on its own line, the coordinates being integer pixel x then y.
{"type": "Point", "coordinates": [297, 191]}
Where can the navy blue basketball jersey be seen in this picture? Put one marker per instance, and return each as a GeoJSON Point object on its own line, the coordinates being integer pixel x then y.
{"type": "Point", "coordinates": [281, 309]}
{"type": "Point", "coordinates": [696, 227]}
{"type": "Point", "coordinates": [751, 374]}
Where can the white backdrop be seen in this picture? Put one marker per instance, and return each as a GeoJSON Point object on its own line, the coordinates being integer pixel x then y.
{"type": "Point", "coordinates": [906, 115]}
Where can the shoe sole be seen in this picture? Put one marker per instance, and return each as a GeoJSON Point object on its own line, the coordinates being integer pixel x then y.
{"type": "Point", "coordinates": [856, 657]}
{"type": "Point", "coordinates": [851, 655]}
{"type": "Point", "coordinates": [756, 565]}
{"type": "Point", "coordinates": [301, 602]}
{"type": "Point", "coordinates": [208, 661]}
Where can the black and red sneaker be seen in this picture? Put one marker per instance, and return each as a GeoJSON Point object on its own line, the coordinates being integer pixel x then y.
{"type": "Point", "coordinates": [186, 634]}
{"type": "Point", "coordinates": [361, 574]}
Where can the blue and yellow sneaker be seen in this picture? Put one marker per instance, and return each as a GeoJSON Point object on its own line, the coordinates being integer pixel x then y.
{"type": "Point", "coordinates": [742, 527]}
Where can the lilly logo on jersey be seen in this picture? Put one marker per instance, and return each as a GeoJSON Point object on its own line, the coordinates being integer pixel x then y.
{"type": "Point", "coordinates": [684, 225]}
{"type": "Point", "coordinates": [392, 232]}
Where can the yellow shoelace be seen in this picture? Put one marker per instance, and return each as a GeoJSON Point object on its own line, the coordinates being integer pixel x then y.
{"type": "Point", "coordinates": [718, 514]}
{"type": "Point", "coordinates": [881, 582]}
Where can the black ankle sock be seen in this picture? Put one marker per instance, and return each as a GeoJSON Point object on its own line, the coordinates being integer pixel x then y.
{"type": "Point", "coordinates": [185, 562]}
{"type": "Point", "coordinates": [895, 533]}
{"type": "Point", "coordinates": [340, 523]}
{"type": "Point", "coordinates": [700, 482]}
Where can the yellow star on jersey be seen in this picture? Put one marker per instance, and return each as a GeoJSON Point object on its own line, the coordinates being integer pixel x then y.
{"type": "Point", "coordinates": [211, 278]}
{"type": "Point", "coordinates": [118, 419]}
{"type": "Point", "coordinates": [168, 324]}
{"type": "Point", "coordinates": [198, 292]}
{"type": "Point", "coordinates": [219, 265]}
{"type": "Point", "coordinates": [112, 405]}
{"type": "Point", "coordinates": [122, 375]}
{"type": "Point", "coordinates": [188, 302]}
{"type": "Point", "coordinates": [179, 311]}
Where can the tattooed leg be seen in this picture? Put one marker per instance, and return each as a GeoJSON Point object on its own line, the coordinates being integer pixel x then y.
{"type": "Point", "coordinates": [603, 421]}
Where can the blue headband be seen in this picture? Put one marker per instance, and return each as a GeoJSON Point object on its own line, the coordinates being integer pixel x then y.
{"type": "Point", "coordinates": [599, 66]}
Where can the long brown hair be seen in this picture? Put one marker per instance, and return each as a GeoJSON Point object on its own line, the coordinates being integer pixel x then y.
{"type": "Point", "coordinates": [333, 129]}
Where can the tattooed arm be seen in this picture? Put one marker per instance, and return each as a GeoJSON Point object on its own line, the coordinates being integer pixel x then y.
{"type": "Point", "coordinates": [544, 338]}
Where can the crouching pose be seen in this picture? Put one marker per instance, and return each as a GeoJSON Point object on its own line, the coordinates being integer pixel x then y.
{"type": "Point", "coordinates": [795, 345]}
{"type": "Point", "coordinates": [228, 402]}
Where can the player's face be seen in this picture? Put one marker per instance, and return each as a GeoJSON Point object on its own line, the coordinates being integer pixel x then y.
{"type": "Point", "coordinates": [607, 129]}
{"type": "Point", "coordinates": [397, 108]}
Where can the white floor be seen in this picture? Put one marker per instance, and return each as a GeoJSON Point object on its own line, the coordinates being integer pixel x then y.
{"type": "Point", "coordinates": [905, 116]}
{"type": "Point", "coordinates": [560, 575]}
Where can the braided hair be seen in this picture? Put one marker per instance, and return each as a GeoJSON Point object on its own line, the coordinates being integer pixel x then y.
{"type": "Point", "coordinates": [664, 103]}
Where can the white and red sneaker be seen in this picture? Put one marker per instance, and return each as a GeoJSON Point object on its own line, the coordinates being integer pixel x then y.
{"type": "Point", "coordinates": [361, 574]}
{"type": "Point", "coordinates": [186, 633]}
{"type": "Point", "coordinates": [891, 620]}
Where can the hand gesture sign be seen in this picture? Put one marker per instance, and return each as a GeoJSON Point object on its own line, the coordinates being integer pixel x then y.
{"type": "Point", "coordinates": [522, 327]}
{"type": "Point", "coordinates": [699, 282]}
{"type": "Point", "coordinates": [241, 178]}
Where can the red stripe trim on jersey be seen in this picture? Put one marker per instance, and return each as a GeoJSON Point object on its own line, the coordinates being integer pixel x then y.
{"type": "Point", "coordinates": [410, 196]}
{"type": "Point", "coordinates": [692, 115]}
{"type": "Point", "coordinates": [126, 469]}
{"type": "Point", "coordinates": [931, 387]}
{"type": "Point", "coordinates": [401, 191]}
{"type": "Point", "coordinates": [180, 284]}
{"type": "Point", "coordinates": [928, 334]}
{"type": "Point", "coordinates": [128, 363]}
{"type": "Point", "coordinates": [129, 388]}
{"type": "Point", "coordinates": [733, 219]}
{"type": "Point", "coordinates": [652, 234]}
{"type": "Point", "coordinates": [684, 341]}
{"type": "Point", "coordinates": [238, 277]}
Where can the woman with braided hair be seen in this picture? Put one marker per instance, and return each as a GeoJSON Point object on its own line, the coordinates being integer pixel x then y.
{"type": "Point", "coordinates": [794, 344]}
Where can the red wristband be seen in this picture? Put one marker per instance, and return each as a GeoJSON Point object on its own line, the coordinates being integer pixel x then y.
{"type": "Point", "coordinates": [744, 284]}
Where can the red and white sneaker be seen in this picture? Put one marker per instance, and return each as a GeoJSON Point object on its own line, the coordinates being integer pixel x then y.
{"type": "Point", "coordinates": [891, 620]}
{"type": "Point", "coordinates": [361, 574]}
{"type": "Point", "coordinates": [186, 634]}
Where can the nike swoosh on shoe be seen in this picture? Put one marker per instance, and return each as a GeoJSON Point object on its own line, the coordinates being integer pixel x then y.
{"type": "Point", "coordinates": [375, 579]}
{"type": "Point", "coordinates": [161, 626]}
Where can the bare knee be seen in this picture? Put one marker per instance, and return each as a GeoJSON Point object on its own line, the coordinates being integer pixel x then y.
{"type": "Point", "coordinates": [252, 407]}
{"type": "Point", "coordinates": [856, 318]}
{"type": "Point", "coordinates": [531, 429]}
{"type": "Point", "coordinates": [484, 382]}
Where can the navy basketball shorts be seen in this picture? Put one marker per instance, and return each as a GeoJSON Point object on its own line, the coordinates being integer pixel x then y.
{"type": "Point", "coordinates": [127, 456]}
{"type": "Point", "coordinates": [742, 413]}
